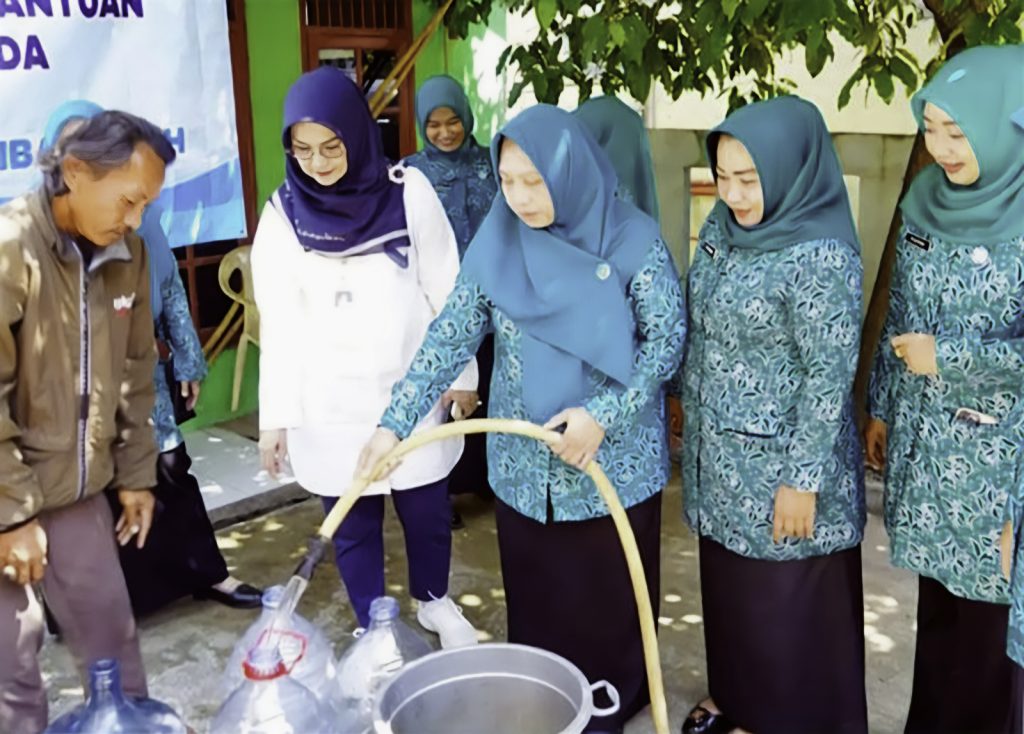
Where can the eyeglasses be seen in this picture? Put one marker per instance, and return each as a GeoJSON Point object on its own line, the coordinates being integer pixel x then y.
{"type": "Point", "coordinates": [328, 150]}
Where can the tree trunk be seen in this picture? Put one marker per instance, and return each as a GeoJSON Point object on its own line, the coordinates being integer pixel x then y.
{"type": "Point", "coordinates": [878, 306]}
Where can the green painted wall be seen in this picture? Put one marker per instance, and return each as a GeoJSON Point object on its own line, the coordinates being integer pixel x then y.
{"type": "Point", "coordinates": [214, 404]}
{"type": "Point", "coordinates": [275, 61]}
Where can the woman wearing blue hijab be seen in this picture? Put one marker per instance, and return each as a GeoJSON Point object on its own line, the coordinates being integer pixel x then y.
{"type": "Point", "coordinates": [181, 556]}
{"type": "Point", "coordinates": [459, 168]}
{"type": "Point", "coordinates": [946, 391]}
{"type": "Point", "coordinates": [584, 301]}
{"type": "Point", "coordinates": [351, 261]}
{"type": "Point", "coordinates": [772, 465]}
{"type": "Point", "coordinates": [621, 133]}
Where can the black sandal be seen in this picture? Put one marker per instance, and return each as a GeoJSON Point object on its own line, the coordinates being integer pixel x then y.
{"type": "Point", "coordinates": [702, 721]}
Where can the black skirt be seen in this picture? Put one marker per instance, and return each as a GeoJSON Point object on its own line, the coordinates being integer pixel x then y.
{"type": "Point", "coordinates": [785, 641]}
{"type": "Point", "coordinates": [963, 680]}
{"type": "Point", "coordinates": [567, 590]}
{"type": "Point", "coordinates": [181, 555]}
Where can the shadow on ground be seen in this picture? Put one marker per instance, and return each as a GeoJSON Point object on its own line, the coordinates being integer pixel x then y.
{"type": "Point", "coordinates": [186, 645]}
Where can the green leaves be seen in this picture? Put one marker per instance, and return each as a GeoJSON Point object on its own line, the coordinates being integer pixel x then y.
{"type": "Point", "coordinates": [753, 10]}
{"type": "Point", "coordinates": [847, 90]}
{"type": "Point", "coordinates": [637, 34]}
{"type": "Point", "coordinates": [546, 11]}
{"type": "Point", "coordinates": [617, 33]}
{"type": "Point", "coordinates": [639, 81]}
{"type": "Point", "coordinates": [882, 80]}
{"type": "Point", "coordinates": [729, 7]}
{"type": "Point", "coordinates": [904, 72]}
{"type": "Point", "coordinates": [818, 51]}
{"type": "Point", "coordinates": [727, 48]}
{"type": "Point", "coordinates": [595, 37]}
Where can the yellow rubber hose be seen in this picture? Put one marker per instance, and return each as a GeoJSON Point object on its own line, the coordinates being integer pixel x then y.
{"type": "Point", "coordinates": [659, 708]}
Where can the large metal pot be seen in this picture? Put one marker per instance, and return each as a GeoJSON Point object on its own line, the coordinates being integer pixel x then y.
{"type": "Point", "coordinates": [489, 689]}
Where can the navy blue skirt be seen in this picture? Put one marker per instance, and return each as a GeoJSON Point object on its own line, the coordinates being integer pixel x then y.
{"type": "Point", "coordinates": [785, 641]}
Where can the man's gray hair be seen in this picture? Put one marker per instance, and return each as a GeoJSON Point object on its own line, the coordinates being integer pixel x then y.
{"type": "Point", "coordinates": [103, 142]}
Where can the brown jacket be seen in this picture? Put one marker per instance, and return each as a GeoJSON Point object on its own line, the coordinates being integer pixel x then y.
{"type": "Point", "coordinates": [76, 373]}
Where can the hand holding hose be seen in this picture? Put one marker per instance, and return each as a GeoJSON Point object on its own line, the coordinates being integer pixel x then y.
{"type": "Point", "coordinates": [583, 435]}
{"type": "Point", "coordinates": [380, 445]}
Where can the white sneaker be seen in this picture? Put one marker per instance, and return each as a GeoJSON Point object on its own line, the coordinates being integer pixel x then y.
{"type": "Point", "coordinates": [444, 618]}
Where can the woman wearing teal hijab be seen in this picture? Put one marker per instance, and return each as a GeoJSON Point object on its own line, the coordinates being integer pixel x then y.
{"type": "Point", "coordinates": [459, 169]}
{"type": "Point", "coordinates": [621, 134]}
{"type": "Point", "coordinates": [946, 393]}
{"type": "Point", "coordinates": [772, 466]}
{"type": "Point", "coordinates": [585, 304]}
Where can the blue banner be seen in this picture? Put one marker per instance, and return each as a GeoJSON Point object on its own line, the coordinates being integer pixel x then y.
{"type": "Point", "coordinates": [168, 61]}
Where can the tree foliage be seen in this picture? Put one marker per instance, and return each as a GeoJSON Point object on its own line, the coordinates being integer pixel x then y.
{"type": "Point", "coordinates": [730, 47]}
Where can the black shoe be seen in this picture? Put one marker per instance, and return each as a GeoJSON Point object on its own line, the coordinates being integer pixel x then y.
{"type": "Point", "coordinates": [244, 597]}
{"type": "Point", "coordinates": [457, 522]}
{"type": "Point", "coordinates": [702, 721]}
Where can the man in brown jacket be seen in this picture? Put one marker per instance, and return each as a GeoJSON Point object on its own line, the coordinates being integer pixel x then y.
{"type": "Point", "coordinates": [76, 390]}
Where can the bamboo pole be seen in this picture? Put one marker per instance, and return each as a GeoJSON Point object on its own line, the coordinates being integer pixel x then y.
{"type": "Point", "coordinates": [389, 87]}
{"type": "Point", "coordinates": [211, 343]}
{"type": "Point", "coordinates": [232, 332]}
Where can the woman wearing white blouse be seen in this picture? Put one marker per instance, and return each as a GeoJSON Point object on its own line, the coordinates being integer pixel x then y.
{"type": "Point", "coordinates": [351, 262]}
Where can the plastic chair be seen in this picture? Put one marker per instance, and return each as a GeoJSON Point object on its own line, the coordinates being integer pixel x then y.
{"type": "Point", "coordinates": [238, 260]}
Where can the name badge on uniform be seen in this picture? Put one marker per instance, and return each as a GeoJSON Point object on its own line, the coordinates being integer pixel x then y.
{"type": "Point", "coordinates": [923, 242]}
{"type": "Point", "coordinates": [341, 296]}
{"type": "Point", "coordinates": [708, 248]}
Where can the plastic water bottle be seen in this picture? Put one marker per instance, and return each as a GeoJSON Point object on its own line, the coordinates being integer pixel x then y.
{"type": "Point", "coordinates": [109, 711]}
{"type": "Point", "coordinates": [270, 701]}
{"type": "Point", "coordinates": [386, 646]}
{"type": "Point", "coordinates": [307, 653]}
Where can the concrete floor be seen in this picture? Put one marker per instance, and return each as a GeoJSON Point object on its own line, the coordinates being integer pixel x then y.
{"type": "Point", "coordinates": [187, 644]}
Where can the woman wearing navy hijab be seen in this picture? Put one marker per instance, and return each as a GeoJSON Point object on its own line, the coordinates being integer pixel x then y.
{"type": "Point", "coordinates": [352, 260]}
{"type": "Point", "coordinates": [585, 304]}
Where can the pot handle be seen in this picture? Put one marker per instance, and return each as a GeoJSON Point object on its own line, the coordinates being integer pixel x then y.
{"type": "Point", "coordinates": [613, 694]}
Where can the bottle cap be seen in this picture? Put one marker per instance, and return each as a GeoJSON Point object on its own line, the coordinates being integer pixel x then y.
{"type": "Point", "coordinates": [384, 609]}
{"type": "Point", "coordinates": [264, 664]}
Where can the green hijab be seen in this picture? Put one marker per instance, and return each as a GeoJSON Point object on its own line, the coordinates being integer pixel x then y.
{"type": "Point", "coordinates": [805, 197]}
{"type": "Point", "coordinates": [982, 89]}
